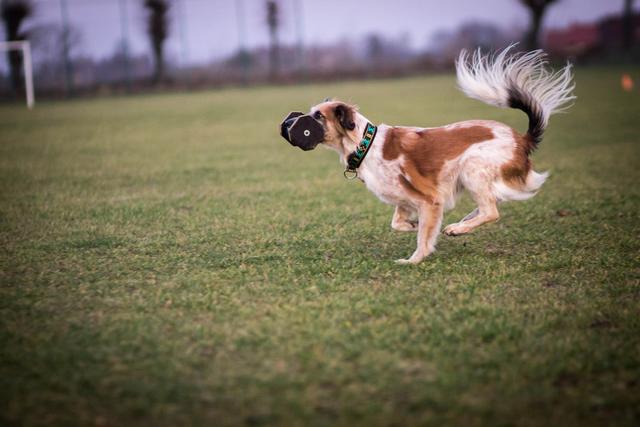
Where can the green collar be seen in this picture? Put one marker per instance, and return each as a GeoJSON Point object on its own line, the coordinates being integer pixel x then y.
{"type": "Point", "coordinates": [355, 159]}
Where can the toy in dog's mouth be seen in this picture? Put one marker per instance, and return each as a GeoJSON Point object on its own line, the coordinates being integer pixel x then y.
{"type": "Point", "coordinates": [302, 130]}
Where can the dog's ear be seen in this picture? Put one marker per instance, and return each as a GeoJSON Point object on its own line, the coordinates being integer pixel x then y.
{"type": "Point", "coordinates": [344, 115]}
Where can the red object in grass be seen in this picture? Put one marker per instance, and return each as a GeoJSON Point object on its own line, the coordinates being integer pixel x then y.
{"type": "Point", "coordinates": [627, 82]}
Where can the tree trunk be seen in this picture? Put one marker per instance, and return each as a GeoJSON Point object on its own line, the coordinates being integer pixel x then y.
{"type": "Point", "coordinates": [531, 39]}
{"type": "Point", "coordinates": [13, 14]}
{"type": "Point", "coordinates": [15, 70]}
{"type": "Point", "coordinates": [274, 56]}
{"type": "Point", "coordinates": [157, 30]}
{"type": "Point", "coordinates": [273, 22]}
{"type": "Point", "coordinates": [627, 26]}
{"type": "Point", "coordinates": [158, 53]}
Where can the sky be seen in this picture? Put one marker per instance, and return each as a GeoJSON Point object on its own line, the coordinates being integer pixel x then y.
{"type": "Point", "coordinates": [204, 30]}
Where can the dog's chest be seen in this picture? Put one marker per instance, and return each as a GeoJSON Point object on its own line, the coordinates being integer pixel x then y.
{"type": "Point", "coordinates": [381, 177]}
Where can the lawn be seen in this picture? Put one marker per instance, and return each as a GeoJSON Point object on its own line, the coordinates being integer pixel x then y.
{"type": "Point", "coordinates": [170, 260]}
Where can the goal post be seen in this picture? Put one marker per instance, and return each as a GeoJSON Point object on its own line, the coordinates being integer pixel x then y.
{"type": "Point", "coordinates": [25, 47]}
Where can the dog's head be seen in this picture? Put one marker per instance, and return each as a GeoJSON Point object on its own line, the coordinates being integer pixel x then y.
{"type": "Point", "coordinates": [326, 123]}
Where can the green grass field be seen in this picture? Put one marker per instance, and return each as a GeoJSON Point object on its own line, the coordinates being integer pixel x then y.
{"type": "Point", "coordinates": [170, 260]}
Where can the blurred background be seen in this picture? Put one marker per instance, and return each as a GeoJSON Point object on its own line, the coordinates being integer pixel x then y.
{"type": "Point", "coordinates": [102, 47]}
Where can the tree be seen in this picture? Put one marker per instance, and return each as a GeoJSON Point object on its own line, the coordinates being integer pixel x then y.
{"type": "Point", "coordinates": [375, 48]}
{"type": "Point", "coordinates": [537, 8]}
{"type": "Point", "coordinates": [273, 21]}
{"type": "Point", "coordinates": [14, 12]}
{"type": "Point", "coordinates": [627, 22]}
{"type": "Point", "coordinates": [158, 29]}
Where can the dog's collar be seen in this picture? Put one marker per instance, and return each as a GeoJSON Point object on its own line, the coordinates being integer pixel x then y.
{"type": "Point", "coordinates": [355, 159]}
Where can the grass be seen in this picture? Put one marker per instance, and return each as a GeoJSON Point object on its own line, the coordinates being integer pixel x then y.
{"type": "Point", "coordinates": [170, 260]}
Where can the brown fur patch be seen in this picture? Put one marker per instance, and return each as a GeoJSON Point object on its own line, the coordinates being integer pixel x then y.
{"type": "Point", "coordinates": [516, 170]}
{"type": "Point", "coordinates": [346, 111]}
{"type": "Point", "coordinates": [426, 152]}
{"type": "Point", "coordinates": [411, 189]}
{"type": "Point", "coordinates": [391, 148]}
{"type": "Point", "coordinates": [333, 129]}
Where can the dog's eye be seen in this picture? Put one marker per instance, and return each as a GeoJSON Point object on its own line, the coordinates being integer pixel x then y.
{"type": "Point", "coordinates": [318, 115]}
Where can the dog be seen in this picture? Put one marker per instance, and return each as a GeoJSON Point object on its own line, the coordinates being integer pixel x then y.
{"type": "Point", "coordinates": [421, 171]}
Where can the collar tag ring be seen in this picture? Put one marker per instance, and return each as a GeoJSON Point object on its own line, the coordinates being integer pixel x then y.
{"type": "Point", "coordinates": [350, 174]}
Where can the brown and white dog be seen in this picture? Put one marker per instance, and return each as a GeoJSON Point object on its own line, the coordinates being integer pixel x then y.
{"type": "Point", "coordinates": [421, 171]}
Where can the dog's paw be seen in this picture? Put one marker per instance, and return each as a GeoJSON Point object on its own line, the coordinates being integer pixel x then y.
{"type": "Point", "coordinates": [404, 226]}
{"type": "Point", "coordinates": [409, 261]}
{"type": "Point", "coordinates": [456, 229]}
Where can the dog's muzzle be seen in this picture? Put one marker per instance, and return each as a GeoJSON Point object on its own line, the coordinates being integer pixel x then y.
{"type": "Point", "coordinates": [302, 130]}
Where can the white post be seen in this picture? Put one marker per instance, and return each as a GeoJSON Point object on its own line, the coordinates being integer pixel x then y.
{"type": "Point", "coordinates": [28, 73]}
{"type": "Point", "coordinates": [25, 47]}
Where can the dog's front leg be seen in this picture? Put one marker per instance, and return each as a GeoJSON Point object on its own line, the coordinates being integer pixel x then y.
{"type": "Point", "coordinates": [429, 221]}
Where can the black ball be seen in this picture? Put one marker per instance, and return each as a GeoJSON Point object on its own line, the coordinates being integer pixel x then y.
{"type": "Point", "coordinates": [306, 132]}
{"type": "Point", "coordinates": [284, 126]}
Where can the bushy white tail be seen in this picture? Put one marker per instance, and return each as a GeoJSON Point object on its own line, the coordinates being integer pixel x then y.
{"type": "Point", "coordinates": [521, 81]}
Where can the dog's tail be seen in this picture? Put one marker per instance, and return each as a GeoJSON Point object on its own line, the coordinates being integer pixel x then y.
{"type": "Point", "coordinates": [519, 81]}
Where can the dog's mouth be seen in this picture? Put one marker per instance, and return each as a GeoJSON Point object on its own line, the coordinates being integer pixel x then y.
{"type": "Point", "coordinates": [302, 130]}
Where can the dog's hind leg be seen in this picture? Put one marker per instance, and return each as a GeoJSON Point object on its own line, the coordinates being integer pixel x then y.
{"type": "Point", "coordinates": [471, 215]}
{"type": "Point", "coordinates": [487, 211]}
{"type": "Point", "coordinates": [401, 220]}
{"type": "Point", "coordinates": [429, 221]}
{"type": "Point", "coordinates": [474, 213]}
